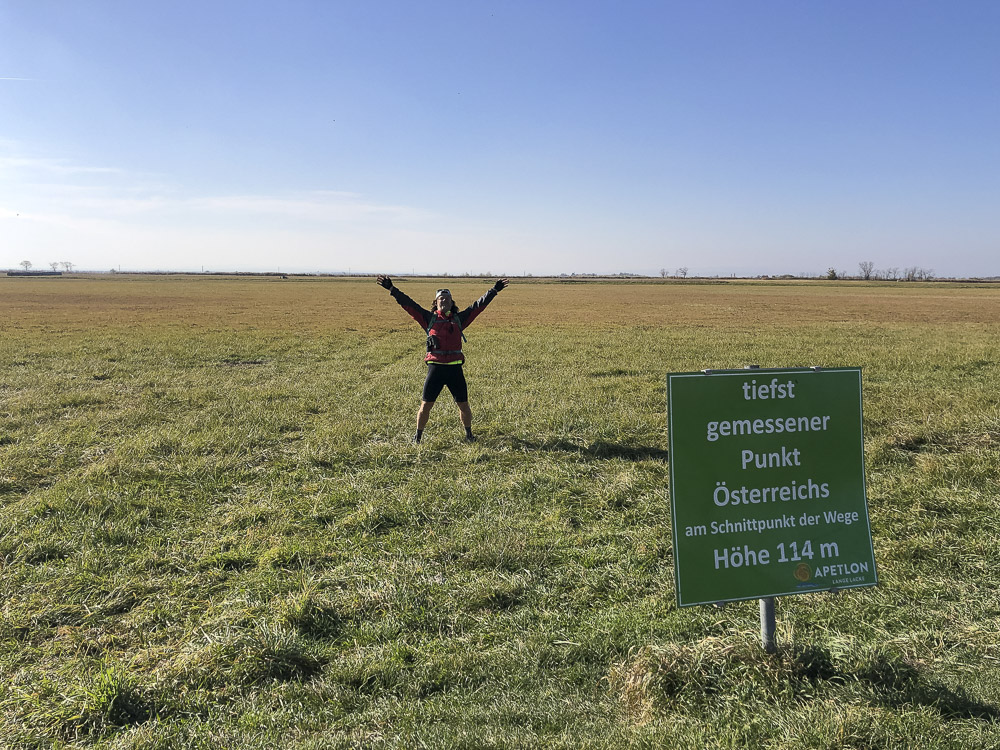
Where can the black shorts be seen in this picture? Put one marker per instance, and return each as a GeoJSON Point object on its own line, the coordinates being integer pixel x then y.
{"type": "Point", "coordinates": [439, 376]}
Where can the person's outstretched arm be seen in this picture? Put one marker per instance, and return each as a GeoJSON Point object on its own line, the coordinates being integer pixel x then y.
{"type": "Point", "coordinates": [415, 311]}
{"type": "Point", "coordinates": [472, 311]}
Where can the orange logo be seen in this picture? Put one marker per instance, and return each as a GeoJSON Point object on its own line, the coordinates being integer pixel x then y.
{"type": "Point", "coordinates": [803, 572]}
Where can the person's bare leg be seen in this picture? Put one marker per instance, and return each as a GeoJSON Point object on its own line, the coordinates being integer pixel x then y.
{"type": "Point", "coordinates": [423, 414]}
{"type": "Point", "coordinates": [466, 415]}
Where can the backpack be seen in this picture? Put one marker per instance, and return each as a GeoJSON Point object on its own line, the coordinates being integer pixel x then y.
{"type": "Point", "coordinates": [456, 320]}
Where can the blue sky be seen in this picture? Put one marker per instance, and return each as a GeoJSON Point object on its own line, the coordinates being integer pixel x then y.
{"type": "Point", "coordinates": [507, 137]}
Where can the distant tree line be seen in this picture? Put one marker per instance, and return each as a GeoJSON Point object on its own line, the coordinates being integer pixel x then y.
{"type": "Point", "coordinates": [868, 272]}
{"type": "Point", "coordinates": [913, 273]}
{"type": "Point", "coordinates": [680, 273]}
{"type": "Point", "coordinates": [66, 265]}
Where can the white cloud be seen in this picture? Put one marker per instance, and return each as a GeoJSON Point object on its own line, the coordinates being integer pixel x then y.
{"type": "Point", "coordinates": [101, 217]}
{"type": "Point", "coordinates": [315, 206]}
{"type": "Point", "coordinates": [29, 167]}
{"type": "Point", "coordinates": [61, 186]}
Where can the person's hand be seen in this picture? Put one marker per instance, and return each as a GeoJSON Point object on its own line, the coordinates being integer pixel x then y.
{"type": "Point", "coordinates": [500, 285]}
{"type": "Point", "coordinates": [384, 281]}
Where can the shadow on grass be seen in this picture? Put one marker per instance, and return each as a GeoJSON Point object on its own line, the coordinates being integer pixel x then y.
{"type": "Point", "coordinates": [675, 677]}
{"type": "Point", "coordinates": [597, 449]}
{"type": "Point", "coordinates": [895, 684]}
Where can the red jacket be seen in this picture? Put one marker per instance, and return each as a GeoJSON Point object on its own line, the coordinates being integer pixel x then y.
{"type": "Point", "coordinates": [447, 333]}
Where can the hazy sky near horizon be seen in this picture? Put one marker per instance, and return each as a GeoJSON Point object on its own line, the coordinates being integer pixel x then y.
{"type": "Point", "coordinates": [725, 136]}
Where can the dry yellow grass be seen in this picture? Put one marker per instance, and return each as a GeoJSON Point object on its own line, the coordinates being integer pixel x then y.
{"type": "Point", "coordinates": [330, 304]}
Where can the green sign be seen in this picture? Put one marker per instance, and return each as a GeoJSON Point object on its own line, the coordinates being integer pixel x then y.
{"type": "Point", "coordinates": [767, 483]}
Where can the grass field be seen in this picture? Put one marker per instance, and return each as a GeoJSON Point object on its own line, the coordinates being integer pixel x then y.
{"type": "Point", "coordinates": [215, 532]}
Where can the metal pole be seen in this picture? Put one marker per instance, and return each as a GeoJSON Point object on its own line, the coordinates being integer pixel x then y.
{"type": "Point", "coordinates": [767, 624]}
{"type": "Point", "coordinates": [767, 603]}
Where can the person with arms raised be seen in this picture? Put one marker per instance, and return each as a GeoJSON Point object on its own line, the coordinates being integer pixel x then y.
{"type": "Point", "coordinates": [444, 325]}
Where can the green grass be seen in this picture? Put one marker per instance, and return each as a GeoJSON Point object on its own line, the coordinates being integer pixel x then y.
{"type": "Point", "coordinates": [217, 534]}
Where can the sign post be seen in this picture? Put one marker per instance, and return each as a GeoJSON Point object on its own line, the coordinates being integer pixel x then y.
{"type": "Point", "coordinates": [767, 485]}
